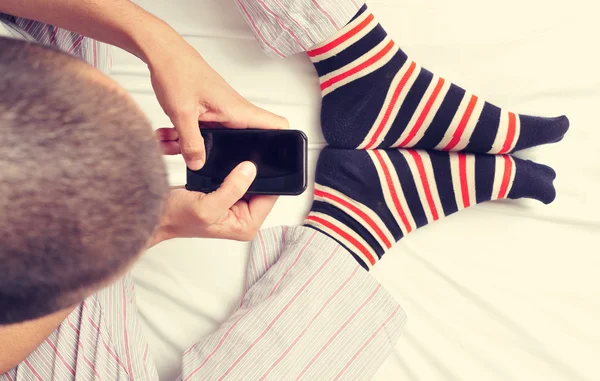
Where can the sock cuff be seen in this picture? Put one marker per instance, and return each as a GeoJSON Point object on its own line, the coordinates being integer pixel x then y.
{"type": "Point", "coordinates": [356, 29]}
{"type": "Point", "coordinates": [326, 222]}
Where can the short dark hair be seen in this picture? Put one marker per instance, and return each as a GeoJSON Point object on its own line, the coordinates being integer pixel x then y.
{"type": "Point", "coordinates": [82, 180]}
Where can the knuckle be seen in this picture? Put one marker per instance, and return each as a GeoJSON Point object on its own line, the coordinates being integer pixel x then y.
{"type": "Point", "coordinates": [237, 190]}
{"type": "Point", "coordinates": [191, 149]}
{"type": "Point", "coordinates": [204, 107]}
{"type": "Point", "coordinates": [285, 124]}
{"type": "Point", "coordinates": [183, 111]}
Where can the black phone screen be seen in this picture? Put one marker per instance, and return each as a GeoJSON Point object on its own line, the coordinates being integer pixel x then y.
{"type": "Point", "coordinates": [279, 156]}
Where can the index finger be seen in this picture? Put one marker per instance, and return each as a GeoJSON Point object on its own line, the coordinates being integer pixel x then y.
{"type": "Point", "coordinates": [191, 142]}
{"type": "Point", "coordinates": [251, 116]}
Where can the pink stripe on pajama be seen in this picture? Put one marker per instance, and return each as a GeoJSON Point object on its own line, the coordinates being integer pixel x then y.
{"type": "Point", "coordinates": [264, 376]}
{"type": "Point", "coordinates": [287, 27]}
{"type": "Point", "coordinates": [279, 315]}
{"type": "Point", "coordinates": [70, 42]}
{"type": "Point", "coordinates": [310, 312]}
{"type": "Point", "coordinates": [313, 305]}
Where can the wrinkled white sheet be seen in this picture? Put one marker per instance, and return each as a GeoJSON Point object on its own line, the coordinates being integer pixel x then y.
{"type": "Point", "coordinates": [503, 291]}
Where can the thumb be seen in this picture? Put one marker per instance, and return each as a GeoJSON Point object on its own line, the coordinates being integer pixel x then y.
{"type": "Point", "coordinates": [233, 188]}
{"type": "Point", "coordinates": [191, 142]}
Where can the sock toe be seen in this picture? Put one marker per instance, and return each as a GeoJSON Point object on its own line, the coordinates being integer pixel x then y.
{"type": "Point", "coordinates": [561, 126]}
{"type": "Point", "coordinates": [533, 180]}
{"type": "Point", "coordinates": [536, 131]}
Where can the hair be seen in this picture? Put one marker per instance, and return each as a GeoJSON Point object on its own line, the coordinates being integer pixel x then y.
{"type": "Point", "coordinates": [82, 180]}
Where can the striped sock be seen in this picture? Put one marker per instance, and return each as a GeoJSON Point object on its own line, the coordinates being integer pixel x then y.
{"type": "Point", "coordinates": [369, 199]}
{"type": "Point", "coordinates": [374, 96]}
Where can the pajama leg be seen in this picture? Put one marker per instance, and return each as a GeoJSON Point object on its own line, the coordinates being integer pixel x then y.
{"type": "Point", "coordinates": [101, 339]}
{"type": "Point", "coordinates": [287, 27]}
{"type": "Point", "coordinates": [310, 312]}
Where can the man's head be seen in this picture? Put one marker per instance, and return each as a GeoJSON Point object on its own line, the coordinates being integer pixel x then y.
{"type": "Point", "coordinates": [81, 181]}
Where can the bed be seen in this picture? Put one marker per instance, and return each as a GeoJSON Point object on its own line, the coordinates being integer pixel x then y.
{"type": "Point", "coordinates": [502, 291]}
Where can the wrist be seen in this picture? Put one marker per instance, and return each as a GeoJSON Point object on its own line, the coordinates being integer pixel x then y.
{"type": "Point", "coordinates": [161, 233]}
{"type": "Point", "coordinates": [164, 230]}
{"type": "Point", "coordinates": [157, 44]}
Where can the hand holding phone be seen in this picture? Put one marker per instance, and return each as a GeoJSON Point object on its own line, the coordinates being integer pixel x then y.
{"type": "Point", "coordinates": [223, 214]}
{"type": "Point", "coordinates": [279, 155]}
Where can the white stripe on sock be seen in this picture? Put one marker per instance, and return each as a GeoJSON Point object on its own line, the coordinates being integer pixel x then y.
{"type": "Point", "coordinates": [387, 192]}
{"type": "Point", "coordinates": [460, 112]}
{"type": "Point", "coordinates": [499, 166]}
{"type": "Point", "coordinates": [468, 132]}
{"type": "Point", "coordinates": [419, 182]}
{"type": "Point", "coordinates": [368, 70]}
{"type": "Point", "coordinates": [498, 175]}
{"type": "Point", "coordinates": [517, 131]}
{"type": "Point", "coordinates": [471, 178]}
{"type": "Point", "coordinates": [501, 132]}
{"type": "Point", "coordinates": [455, 173]}
{"type": "Point", "coordinates": [395, 108]}
{"type": "Point", "coordinates": [512, 175]}
{"type": "Point", "coordinates": [429, 118]}
{"type": "Point", "coordinates": [343, 240]}
{"type": "Point", "coordinates": [435, 194]}
{"type": "Point", "coordinates": [365, 209]}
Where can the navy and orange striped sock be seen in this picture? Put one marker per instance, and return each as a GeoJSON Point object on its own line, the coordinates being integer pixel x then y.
{"type": "Point", "coordinates": [369, 199]}
{"type": "Point", "coordinates": [374, 96]}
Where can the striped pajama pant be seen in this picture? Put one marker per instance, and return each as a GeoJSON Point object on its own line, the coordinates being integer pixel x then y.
{"type": "Point", "coordinates": [310, 313]}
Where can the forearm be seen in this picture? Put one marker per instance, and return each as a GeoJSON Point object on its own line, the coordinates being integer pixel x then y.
{"type": "Point", "coordinates": [163, 230]}
{"type": "Point", "coordinates": [17, 341]}
{"type": "Point", "coordinates": [117, 22]}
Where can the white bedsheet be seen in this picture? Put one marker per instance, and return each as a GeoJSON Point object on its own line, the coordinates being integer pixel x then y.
{"type": "Point", "coordinates": [503, 291]}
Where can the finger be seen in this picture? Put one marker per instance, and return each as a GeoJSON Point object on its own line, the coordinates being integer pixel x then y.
{"type": "Point", "coordinates": [214, 125]}
{"type": "Point", "coordinates": [170, 147]}
{"type": "Point", "coordinates": [261, 118]}
{"type": "Point", "coordinates": [166, 134]}
{"type": "Point", "coordinates": [260, 207]}
{"type": "Point", "coordinates": [190, 139]}
{"type": "Point", "coordinates": [232, 190]}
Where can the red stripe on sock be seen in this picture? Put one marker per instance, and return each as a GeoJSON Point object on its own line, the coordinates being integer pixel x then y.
{"type": "Point", "coordinates": [424, 113]}
{"type": "Point", "coordinates": [359, 68]}
{"type": "Point", "coordinates": [510, 134]}
{"type": "Point", "coordinates": [462, 125]}
{"type": "Point", "coordinates": [508, 166]}
{"type": "Point", "coordinates": [391, 106]}
{"type": "Point", "coordinates": [395, 199]}
{"type": "Point", "coordinates": [464, 182]}
{"type": "Point", "coordinates": [356, 210]}
{"type": "Point", "coordinates": [345, 235]}
{"type": "Point", "coordinates": [343, 38]}
{"type": "Point", "coordinates": [425, 181]}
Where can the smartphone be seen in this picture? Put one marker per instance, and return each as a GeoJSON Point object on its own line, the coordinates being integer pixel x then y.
{"type": "Point", "coordinates": [280, 157]}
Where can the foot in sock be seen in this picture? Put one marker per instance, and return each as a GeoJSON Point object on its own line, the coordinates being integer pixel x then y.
{"type": "Point", "coordinates": [374, 96]}
{"type": "Point", "coordinates": [369, 199]}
